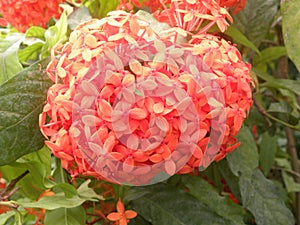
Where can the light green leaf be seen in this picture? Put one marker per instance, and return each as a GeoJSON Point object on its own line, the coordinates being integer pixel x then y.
{"type": "Point", "coordinates": [262, 198]}
{"type": "Point", "coordinates": [290, 10]}
{"type": "Point", "coordinates": [30, 52]}
{"type": "Point", "coordinates": [256, 18]}
{"type": "Point", "coordinates": [35, 32]}
{"type": "Point", "coordinates": [210, 197]}
{"type": "Point", "coordinates": [269, 54]}
{"type": "Point", "coordinates": [87, 193]}
{"type": "Point", "coordinates": [5, 216]}
{"type": "Point", "coordinates": [64, 216]}
{"type": "Point", "coordinates": [279, 107]}
{"type": "Point", "coordinates": [164, 204]}
{"type": "Point", "coordinates": [240, 38]}
{"type": "Point", "coordinates": [245, 158]}
{"type": "Point", "coordinates": [9, 62]}
{"type": "Point", "coordinates": [55, 34]}
{"type": "Point", "coordinates": [267, 152]}
{"type": "Point", "coordinates": [54, 202]}
{"type": "Point", "coordinates": [100, 8]}
{"type": "Point", "coordinates": [21, 101]}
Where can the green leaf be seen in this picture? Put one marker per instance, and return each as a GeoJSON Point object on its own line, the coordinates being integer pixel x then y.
{"type": "Point", "coordinates": [209, 196]}
{"type": "Point", "coordinates": [263, 199]}
{"type": "Point", "coordinates": [35, 32]}
{"type": "Point", "coordinates": [291, 29]}
{"type": "Point", "coordinates": [30, 52]}
{"type": "Point", "coordinates": [53, 202]}
{"type": "Point", "coordinates": [71, 216]}
{"type": "Point", "coordinates": [164, 204]}
{"type": "Point", "coordinates": [240, 38]}
{"type": "Point", "coordinates": [5, 216]}
{"type": "Point", "coordinates": [231, 180]}
{"type": "Point", "coordinates": [9, 62]}
{"type": "Point", "coordinates": [87, 193]}
{"type": "Point", "coordinates": [269, 54]}
{"type": "Point", "coordinates": [55, 34]}
{"type": "Point", "coordinates": [279, 107]}
{"type": "Point", "coordinates": [245, 158]}
{"type": "Point", "coordinates": [100, 8]}
{"type": "Point", "coordinates": [256, 18]}
{"type": "Point", "coordinates": [39, 166]}
{"type": "Point", "coordinates": [21, 100]}
{"type": "Point", "coordinates": [267, 152]}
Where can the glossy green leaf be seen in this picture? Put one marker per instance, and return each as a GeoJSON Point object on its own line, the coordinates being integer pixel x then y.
{"type": "Point", "coordinates": [165, 204]}
{"type": "Point", "coordinates": [210, 197]}
{"type": "Point", "coordinates": [269, 54]}
{"type": "Point", "coordinates": [21, 101]}
{"type": "Point", "coordinates": [290, 10]}
{"type": "Point", "coordinates": [9, 62]}
{"type": "Point", "coordinates": [66, 216]}
{"type": "Point", "coordinates": [263, 199]}
{"type": "Point", "coordinates": [245, 158]}
{"type": "Point", "coordinates": [267, 152]}
{"type": "Point", "coordinates": [255, 19]}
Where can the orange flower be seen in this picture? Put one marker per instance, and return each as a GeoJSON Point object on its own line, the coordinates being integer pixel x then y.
{"type": "Point", "coordinates": [121, 217]}
{"type": "Point", "coordinates": [22, 14]}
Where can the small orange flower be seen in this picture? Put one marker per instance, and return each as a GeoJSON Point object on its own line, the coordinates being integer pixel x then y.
{"type": "Point", "coordinates": [121, 217]}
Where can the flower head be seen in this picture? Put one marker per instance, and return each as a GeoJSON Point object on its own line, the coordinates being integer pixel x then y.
{"type": "Point", "coordinates": [235, 5]}
{"type": "Point", "coordinates": [178, 83]}
{"type": "Point", "coordinates": [22, 14]}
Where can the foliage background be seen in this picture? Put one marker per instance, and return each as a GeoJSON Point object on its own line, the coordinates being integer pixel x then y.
{"type": "Point", "coordinates": [259, 183]}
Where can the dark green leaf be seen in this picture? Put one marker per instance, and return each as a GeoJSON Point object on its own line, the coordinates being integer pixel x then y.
{"type": "Point", "coordinates": [291, 29]}
{"type": "Point", "coordinates": [21, 101]}
{"type": "Point", "coordinates": [64, 216]}
{"type": "Point", "coordinates": [209, 196]}
{"type": "Point", "coordinates": [263, 199]}
{"type": "Point", "coordinates": [163, 205]}
{"type": "Point", "coordinates": [245, 158]}
{"type": "Point", "coordinates": [267, 152]}
{"type": "Point", "coordinates": [256, 18]}
{"type": "Point", "coordinates": [9, 62]}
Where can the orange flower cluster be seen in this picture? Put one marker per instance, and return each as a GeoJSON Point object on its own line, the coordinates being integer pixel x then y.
{"type": "Point", "coordinates": [221, 65]}
{"type": "Point", "coordinates": [22, 14]}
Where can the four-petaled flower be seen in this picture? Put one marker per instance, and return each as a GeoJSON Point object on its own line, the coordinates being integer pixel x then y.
{"type": "Point", "coordinates": [122, 216]}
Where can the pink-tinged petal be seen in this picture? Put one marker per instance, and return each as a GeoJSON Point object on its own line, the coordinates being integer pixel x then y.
{"type": "Point", "coordinates": [170, 167]}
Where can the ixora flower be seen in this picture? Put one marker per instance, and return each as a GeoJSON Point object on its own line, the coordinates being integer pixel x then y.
{"type": "Point", "coordinates": [22, 14]}
{"type": "Point", "coordinates": [121, 217]}
{"type": "Point", "coordinates": [129, 104]}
